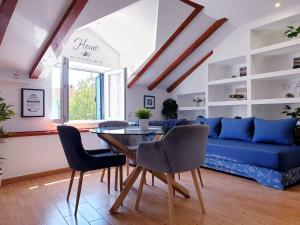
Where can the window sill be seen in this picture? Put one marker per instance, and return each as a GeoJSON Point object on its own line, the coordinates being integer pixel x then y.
{"type": "Point", "coordinates": [38, 133]}
{"type": "Point", "coordinates": [84, 124]}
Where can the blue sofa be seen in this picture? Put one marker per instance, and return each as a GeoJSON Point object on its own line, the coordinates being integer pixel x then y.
{"type": "Point", "coordinates": [271, 164]}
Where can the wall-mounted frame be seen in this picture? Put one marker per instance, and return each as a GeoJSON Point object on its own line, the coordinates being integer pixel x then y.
{"type": "Point", "coordinates": [149, 102]}
{"type": "Point", "coordinates": [32, 102]}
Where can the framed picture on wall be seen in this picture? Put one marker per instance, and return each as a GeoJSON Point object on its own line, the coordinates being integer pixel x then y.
{"type": "Point", "coordinates": [296, 63]}
{"type": "Point", "coordinates": [149, 102]}
{"type": "Point", "coordinates": [32, 102]}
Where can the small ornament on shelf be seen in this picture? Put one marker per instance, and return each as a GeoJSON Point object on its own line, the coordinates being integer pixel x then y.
{"type": "Point", "coordinates": [289, 95]}
{"type": "Point", "coordinates": [237, 97]}
{"type": "Point", "coordinates": [198, 100]}
{"type": "Point", "coordinates": [243, 71]}
{"type": "Point", "coordinates": [296, 63]}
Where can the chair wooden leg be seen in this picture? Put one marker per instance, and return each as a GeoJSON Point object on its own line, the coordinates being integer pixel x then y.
{"type": "Point", "coordinates": [121, 178]}
{"type": "Point", "coordinates": [139, 194]}
{"type": "Point", "coordinates": [108, 180]}
{"type": "Point", "coordinates": [200, 177]}
{"type": "Point", "coordinates": [152, 179]}
{"type": "Point", "coordinates": [102, 175]}
{"type": "Point", "coordinates": [116, 178]}
{"type": "Point", "coordinates": [178, 176]}
{"type": "Point", "coordinates": [173, 176]}
{"type": "Point", "coordinates": [127, 166]}
{"type": "Point", "coordinates": [198, 190]}
{"type": "Point", "coordinates": [78, 191]}
{"type": "Point", "coordinates": [171, 199]}
{"type": "Point", "coordinates": [70, 184]}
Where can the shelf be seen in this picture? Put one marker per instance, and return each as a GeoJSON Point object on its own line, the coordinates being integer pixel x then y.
{"type": "Point", "coordinates": [276, 101]}
{"type": "Point", "coordinates": [278, 75]}
{"type": "Point", "coordinates": [229, 103]}
{"type": "Point", "coordinates": [278, 49]}
{"type": "Point", "coordinates": [191, 108]}
{"type": "Point", "coordinates": [229, 81]}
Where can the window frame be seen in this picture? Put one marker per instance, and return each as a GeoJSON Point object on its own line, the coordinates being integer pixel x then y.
{"type": "Point", "coordinates": [64, 95]}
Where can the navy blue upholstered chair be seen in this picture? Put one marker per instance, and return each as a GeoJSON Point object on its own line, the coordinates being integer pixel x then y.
{"type": "Point", "coordinates": [81, 160]}
{"type": "Point", "coordinates": [181, 149]}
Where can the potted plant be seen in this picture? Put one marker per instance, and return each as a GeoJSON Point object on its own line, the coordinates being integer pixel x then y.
{"type": "Point", "coordinates": [170, 109]}
{"type": "Point", "coordinates": [5, 114]}
{"type": "Point", "coordinates": [294, 113]}
{"type": "Point", "coordinates": [198, 100]}
{"type": "Point", "coordinates": [143, 115]}
{"type": "Point", "coordinates": [292, 32]}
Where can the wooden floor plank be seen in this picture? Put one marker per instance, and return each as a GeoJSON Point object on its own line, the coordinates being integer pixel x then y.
{"type": "Point", "coordinates": [228, 200]}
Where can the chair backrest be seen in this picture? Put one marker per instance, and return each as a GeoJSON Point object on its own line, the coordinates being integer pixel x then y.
{"type": "Point", "coordinates": [113, 123]}
{"type": "Point", "coordinates": [185, 147]}
{"type": "Point", "coordinates": [71, 141]}
{"type": "Point", "coordinates": [124, 139]}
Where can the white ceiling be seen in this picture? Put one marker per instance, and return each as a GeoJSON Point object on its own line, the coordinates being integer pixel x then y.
{"type": "Point", "coordinates": [28, 30]}
{"type": "Point", "coordinates": [34, 20]}
{"type": "Point", "coordinates": [240, 12]}
{"type": "Point", "coordinates": [130, 28]}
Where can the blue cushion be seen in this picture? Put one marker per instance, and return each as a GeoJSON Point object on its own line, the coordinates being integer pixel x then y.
{"type": "Point", "coordinates": [273, 156]}
{"type": "Point", "coordinates": [213, 123]}
{"type": "Point", "coordinates": [239, 129]}
{"type": "Point", "coordinates": [274, 131]}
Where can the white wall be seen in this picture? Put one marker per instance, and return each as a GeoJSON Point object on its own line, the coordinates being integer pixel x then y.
{"type": "Point", "coordinates": [135, 100]}
{"type": "Point", "coordinates": [11, 92]}
{"type": "Point", "coordinates": [27, 155]}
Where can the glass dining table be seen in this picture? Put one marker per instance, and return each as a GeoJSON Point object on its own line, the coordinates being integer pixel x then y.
{"type": "Point", "coordinates": [107, 134]}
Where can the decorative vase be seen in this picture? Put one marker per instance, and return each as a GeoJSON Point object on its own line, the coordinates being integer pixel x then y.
{"type": "Point", "coordinates": [143, 123]}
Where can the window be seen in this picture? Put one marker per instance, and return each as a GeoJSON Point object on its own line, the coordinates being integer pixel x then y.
{"type": "Point", "coordinates": [86, 92]}
{"type": "Point", "coordinates": [115, 98]}
{"type": "Point", "coordinates": [56, 92]}
{"type": "Point", "coordinates": [82, 95]}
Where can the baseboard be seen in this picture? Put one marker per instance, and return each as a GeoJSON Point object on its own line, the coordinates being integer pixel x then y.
{"type": "Point", "coordinates": [34, 175]}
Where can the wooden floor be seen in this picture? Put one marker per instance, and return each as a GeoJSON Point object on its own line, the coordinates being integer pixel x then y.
{"type": "Point", "coordinates": [228, 200]}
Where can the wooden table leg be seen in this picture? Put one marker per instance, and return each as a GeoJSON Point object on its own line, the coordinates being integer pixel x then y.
{"type": "Point", "coordinates": [123, 194]}
{"type": "Point", "coordinates": [178, 187]}
{"type": "Point", "coordinates": [127, 178]}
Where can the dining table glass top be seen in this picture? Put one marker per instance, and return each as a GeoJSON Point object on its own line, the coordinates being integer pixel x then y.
{"type": "Point", "coordinates": [131, 130]}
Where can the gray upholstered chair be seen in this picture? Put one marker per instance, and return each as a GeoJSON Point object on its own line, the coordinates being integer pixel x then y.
{"type": "Point", "coordinates": [182, 149]}
{"type": "Point", "coordinates": [130, 141]}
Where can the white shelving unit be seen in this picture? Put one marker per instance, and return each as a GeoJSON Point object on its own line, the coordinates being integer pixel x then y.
{"type": "Point", "coordinates": [191, 108]}
{"type": "Point", "coordinates": [188, 109]}
{"type": "Point", "coordinates": [270, 75]}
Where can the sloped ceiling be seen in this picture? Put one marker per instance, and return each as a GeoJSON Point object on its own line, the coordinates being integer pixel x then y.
{"type": "Point", "coordinates": [133, 27]}
{"type": "Point", "coordinates": [33, 21]}
{"type": "Point", "coordinates": [28, 30]}
{"type": "Point", "coordinates": [240, 12]}
{"type": "Point", "coordinates": [168, 21]}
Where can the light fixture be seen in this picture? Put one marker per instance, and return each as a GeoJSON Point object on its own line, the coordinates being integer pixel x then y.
{"type": "Point", "coordinates": [277, 4]}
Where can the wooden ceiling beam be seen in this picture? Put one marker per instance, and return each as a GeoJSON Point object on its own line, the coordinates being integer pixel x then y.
{"type": "Point", "coordinates": [55, 40]}
{"type": "Point", "coordinates": [200, 40]}
{"type": "Point", "coordinates": [7, 9]}
{"type": "Point", "coordinates": [189, 72]}
{"type": "Point", "coordinates": [186, 22]}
